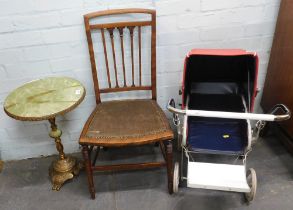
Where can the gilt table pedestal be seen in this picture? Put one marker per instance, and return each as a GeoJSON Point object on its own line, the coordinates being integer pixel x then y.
{"type": "Point", "coordinates": [64, 168]}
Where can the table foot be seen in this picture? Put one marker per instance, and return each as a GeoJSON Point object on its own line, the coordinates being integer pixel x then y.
{"type": "Point", "coordinates": [62, 170]}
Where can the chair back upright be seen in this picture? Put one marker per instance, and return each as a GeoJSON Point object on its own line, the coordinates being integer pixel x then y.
{"type": "Point", "coordinates": [121, 75]}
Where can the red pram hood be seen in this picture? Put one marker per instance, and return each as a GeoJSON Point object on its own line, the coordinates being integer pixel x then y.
{"type": "Point", "coordinates": [208, 59]}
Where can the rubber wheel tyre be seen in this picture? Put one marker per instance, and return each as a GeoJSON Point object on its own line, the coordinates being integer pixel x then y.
{"type": "Point", "coordinates": [176, 177]}
{"type": "Point", "coordinates": [252, 182]}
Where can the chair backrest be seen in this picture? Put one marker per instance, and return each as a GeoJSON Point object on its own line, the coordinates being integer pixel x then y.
{"type": "Point", "coordinates": [134, 27]}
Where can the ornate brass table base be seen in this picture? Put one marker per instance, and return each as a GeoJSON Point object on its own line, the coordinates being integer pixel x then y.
{"type": "Point", "coordinates": [63, 170]}
{"type": "Point", "coordinates": [65, 167]}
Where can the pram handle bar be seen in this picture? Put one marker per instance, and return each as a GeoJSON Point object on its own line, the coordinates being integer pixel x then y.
{"type": "Point", "coordinates": [234, 115]}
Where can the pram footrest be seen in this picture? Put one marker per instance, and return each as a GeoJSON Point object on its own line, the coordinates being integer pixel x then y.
{"type": "Point", "coordinates": [217, 177]}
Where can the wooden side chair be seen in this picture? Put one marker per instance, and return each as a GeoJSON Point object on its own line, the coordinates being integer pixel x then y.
{"type": "Point", "coordinates": [123, 123]}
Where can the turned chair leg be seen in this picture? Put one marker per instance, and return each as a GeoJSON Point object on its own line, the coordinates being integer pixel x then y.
{"type": "Point", "coordinates": [89, 171]}
{"type": "Point", "coordinates": [169, 160]}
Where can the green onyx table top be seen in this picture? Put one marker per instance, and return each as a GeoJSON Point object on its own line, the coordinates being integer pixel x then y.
{"type": "Point", "coordinates": [44, 98]}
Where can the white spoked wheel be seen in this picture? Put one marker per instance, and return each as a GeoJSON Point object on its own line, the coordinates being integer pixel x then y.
{"type": "Point", "coordinates": [252, 182]}
{"type": "Point", "coordinates": [176, 177]}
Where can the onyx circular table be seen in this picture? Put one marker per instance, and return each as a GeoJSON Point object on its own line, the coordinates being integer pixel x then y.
{"type": "Point", "coordinates": [44, 99]}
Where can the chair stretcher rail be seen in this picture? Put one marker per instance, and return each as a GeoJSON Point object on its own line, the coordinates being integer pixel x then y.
{"type": "Point", "coordinates": [233, 115]}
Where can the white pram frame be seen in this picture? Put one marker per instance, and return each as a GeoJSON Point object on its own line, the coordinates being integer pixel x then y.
{"type": "Point", "coordinates": [229, 177]}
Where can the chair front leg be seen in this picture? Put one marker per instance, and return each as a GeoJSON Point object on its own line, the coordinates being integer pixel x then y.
{"type": "Point", "coordinates": [169, 160]}
{"type": "Point", "coordinates": [89, 171]}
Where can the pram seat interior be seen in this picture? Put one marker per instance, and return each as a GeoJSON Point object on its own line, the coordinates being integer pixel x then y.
{"type": "Point", "coordinates": [216, 135]}
{"type": "Point", "coordinates": [218, 83]}
{"type": "Point", "coordinates": [216, 102]}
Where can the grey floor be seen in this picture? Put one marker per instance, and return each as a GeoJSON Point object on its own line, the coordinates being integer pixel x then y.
{"type": "Point", "coordinates": [25, 185]}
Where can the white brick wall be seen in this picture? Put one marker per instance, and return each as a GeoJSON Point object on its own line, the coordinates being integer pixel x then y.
{"type": "Point", "coordinates": [39, 38]}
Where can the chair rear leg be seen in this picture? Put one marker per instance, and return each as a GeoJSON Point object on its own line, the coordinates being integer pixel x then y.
{"type": "Point", "coordinates": [96, 156]}
{"type": "Point", "coordinates": [89, 171]}
{"type": "Point", "coordinates": [163, 150]}
{"type": "Point", "coordinates": [169, 160]}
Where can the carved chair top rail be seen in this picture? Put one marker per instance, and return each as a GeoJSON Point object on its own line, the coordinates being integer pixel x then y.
{"type": "Point", "coordinates": [119, 11]}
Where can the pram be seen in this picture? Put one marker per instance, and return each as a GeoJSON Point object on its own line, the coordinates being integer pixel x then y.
{"type": "Point", "coordinates": [218, 93]}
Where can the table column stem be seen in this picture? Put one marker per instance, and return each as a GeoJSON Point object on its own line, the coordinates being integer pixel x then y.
{"type": "Point", "coordinates": [56, 134]}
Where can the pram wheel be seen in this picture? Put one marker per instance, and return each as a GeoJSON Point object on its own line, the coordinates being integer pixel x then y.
{"type": "Point", "coordinates": [176, 177]}
{"type": "Point", "coordinates": [252, 182]}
